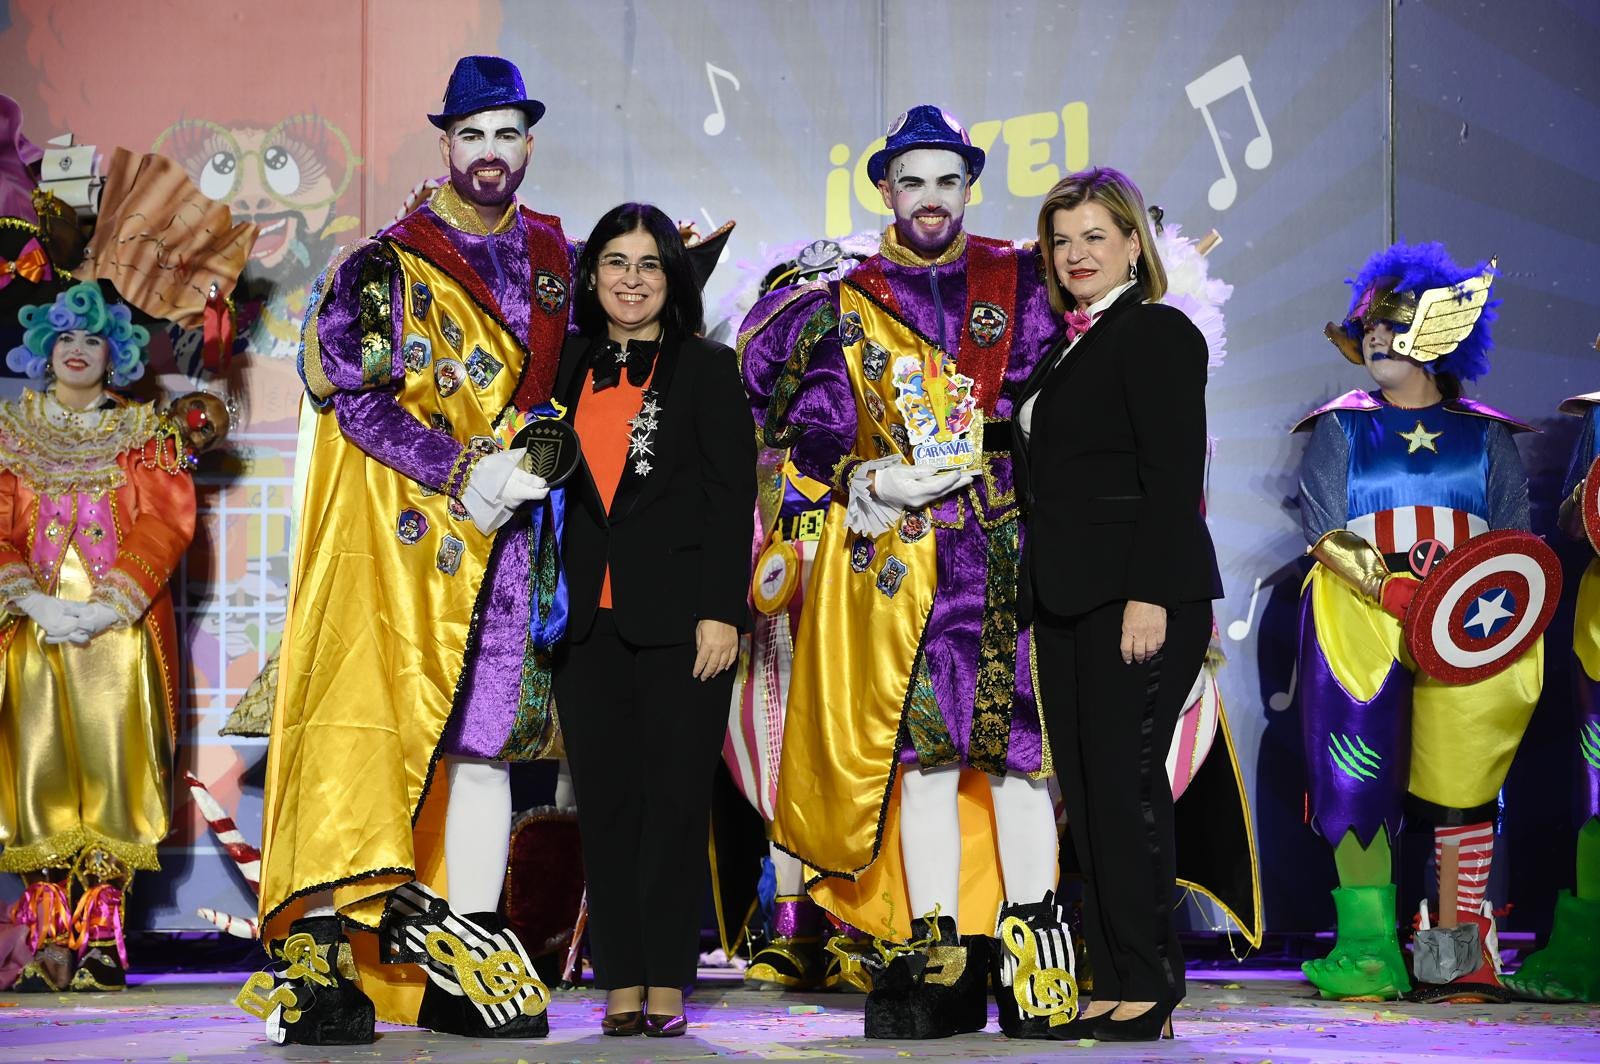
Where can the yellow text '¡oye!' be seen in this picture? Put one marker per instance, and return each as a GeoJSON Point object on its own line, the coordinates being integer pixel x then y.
{"type": "Point", "coordinates": [1031, 142]}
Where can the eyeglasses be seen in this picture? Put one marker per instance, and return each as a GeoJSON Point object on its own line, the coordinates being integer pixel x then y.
{"type": "Point", "coordinates": [649, 269]}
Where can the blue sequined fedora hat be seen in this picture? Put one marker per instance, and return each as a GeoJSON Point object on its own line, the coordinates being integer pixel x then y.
{"type": "Point", "coordinates": [926, 126]}
{"type": "Point", "coordinates": [485, 83]}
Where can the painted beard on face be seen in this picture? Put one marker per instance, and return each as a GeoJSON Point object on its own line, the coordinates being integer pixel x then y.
{"type": "Point", "coordinates": [928, 190]}
{"type": "Point", "coordinates": [488, 155]}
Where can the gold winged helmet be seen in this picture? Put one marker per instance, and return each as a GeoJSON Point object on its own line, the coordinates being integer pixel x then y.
{"type": "Point", "coordinates": [1440, 311]}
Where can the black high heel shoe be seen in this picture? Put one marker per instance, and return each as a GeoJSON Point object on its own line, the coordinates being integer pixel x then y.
{"type": "Point", "coordinates": [1082, 1027]}
{"type": "Point", "coordinates": [1152, 1024]}
{"type": "Point", "coordinates": [622, 1024]}
{"type": "Point", "coordinates": [665, 1026]}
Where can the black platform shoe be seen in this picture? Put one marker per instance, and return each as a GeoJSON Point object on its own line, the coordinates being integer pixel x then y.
{"type": "Point", "coordinates": [311, 998]}
{"type": "Point", "coordinates": [933, 988]}
{"type": "Point", "coordinates": [481, 983]}
{"type": "Point", "coordinates": [1034, 985]}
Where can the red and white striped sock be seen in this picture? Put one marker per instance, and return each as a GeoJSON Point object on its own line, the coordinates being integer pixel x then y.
{"type": "Point", "coordinates": [1477, 850]}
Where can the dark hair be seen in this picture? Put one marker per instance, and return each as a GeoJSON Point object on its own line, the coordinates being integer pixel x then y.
{"type": "Point", "coordinates": [684, 313]}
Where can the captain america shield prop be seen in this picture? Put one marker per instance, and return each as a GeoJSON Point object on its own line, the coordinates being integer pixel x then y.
{"type": "Point", "coordinates": [1591, 504]}
{"type": "Point", "coordinates": [1483, 606]}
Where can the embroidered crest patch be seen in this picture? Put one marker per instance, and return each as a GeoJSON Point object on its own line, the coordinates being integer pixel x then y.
{"type": "Point", "coordinates": [482, 368]}
{"type": "Point", "coordinates": [550, 291]}
{"type": "Point", "coordinates": [484, 445]}
{"type": "Point", "coordinates": [421, 300]}
{"type": "Point", "coordinates": [438, 421]}
{"type": "Point", "coordinates": [882, 445]}
{"type": "Point", "coordinates": [450, 552]}
{"type": "Point", "coordinates": [448, 373]}
{"type": "Point", "coordinates": [897, 432]}
{"type": "Point", "coordinates": [412, 526]}
{"type": "Point", "coordinates": [861, 554]}
{"type": "Point", "coordinates": [850, 329]}
{"type": "Point", "coordinates": [889, 577]}
{"type": "Point", "coordinates": [875, 405]}
{"type": "Point", "coordinates": [913, 526]}
{"type": "Point", "coordinates": [416, 354]}
{"type": "Point", "coordinates": [452, 331]}
{"type": "Point", "coordinates": [458, 511]}
{"type": "Point", "coordinates": [987, 324]}
{"type": "Point", "coordinates": [874, 359]}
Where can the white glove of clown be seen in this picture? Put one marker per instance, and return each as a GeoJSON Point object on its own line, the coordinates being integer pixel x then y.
{"type": "Point", "coordinates": [497, 486]}
{"type": "Point", "coordinates": [909, 487]}
{"type": "Point", "coordinates": [92, 619]}
{"type": "Point", "coordinates": [55, 617]}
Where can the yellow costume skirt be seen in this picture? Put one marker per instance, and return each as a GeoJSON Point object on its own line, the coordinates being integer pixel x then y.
{"type": "Point", "coordinates": [1463, 736]}
{"type": "Point", "coordinates": [85, 742]}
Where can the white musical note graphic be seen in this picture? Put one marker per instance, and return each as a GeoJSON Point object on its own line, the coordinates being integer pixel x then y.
{"type": "Point", "coordinates": [1241, 628]}
{"type": "Point", "coordinates": [717, 120]}
{"type": "Point", "coordinates": [1280, 699]}
{"type": "Point", "coordinates": [1205, 90]}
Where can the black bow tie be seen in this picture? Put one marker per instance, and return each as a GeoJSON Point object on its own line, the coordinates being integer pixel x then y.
{"type": "Point", "coordinates": [608, 357]}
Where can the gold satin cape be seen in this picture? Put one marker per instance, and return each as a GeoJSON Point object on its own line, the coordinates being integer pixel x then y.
{"type": "Point", "coordinates": [838, 808]}
{"type": "Point", "coordinates": [372, 653]}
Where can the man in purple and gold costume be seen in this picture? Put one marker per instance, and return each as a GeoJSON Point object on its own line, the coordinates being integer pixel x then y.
{"type": "Point", "coordinates": [909, 667]}
{"type": "Point", "coordinates": [1390, 479]}
{"type": "Point", "coordinates": [425, 598]}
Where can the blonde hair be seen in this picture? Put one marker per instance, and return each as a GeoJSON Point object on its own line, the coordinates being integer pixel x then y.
{"type": "Point", "coordinates": [1117, 193]}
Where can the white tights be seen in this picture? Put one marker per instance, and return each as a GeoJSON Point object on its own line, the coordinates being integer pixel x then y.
{"type": "Point", "coordinates": [930, 837]}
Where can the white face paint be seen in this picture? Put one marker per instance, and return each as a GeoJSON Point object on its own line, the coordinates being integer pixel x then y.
{"type": "Point", "coordinates": [488, 155]}
{"type": "Point", "coordinates": [1389, 371]}
{"type": "Point", "coordinates": [928, 190]}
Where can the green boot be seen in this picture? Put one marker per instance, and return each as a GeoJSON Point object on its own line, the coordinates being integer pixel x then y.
{"type": "Point", "coordinates": [1366, 963]}
{"type": "Point", "coordinates": [1568, 968]}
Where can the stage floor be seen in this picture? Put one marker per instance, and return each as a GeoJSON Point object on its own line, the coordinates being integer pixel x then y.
{"type": "Point", "coordinates": [1253, 1019]}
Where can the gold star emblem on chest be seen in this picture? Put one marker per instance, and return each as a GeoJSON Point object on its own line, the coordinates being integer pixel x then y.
{"type": "Point", "coordinates": [1419, 438]}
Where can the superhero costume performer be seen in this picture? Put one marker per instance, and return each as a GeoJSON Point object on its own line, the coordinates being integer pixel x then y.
{"type": "Point", "coordinates": [1384, 470]}
{"type": "Point", "coordinates": [426, 595]}
{"type": "Point", "coordinates": [908, 664]}
{"type": "Point", "coordinates": [1568, 968]}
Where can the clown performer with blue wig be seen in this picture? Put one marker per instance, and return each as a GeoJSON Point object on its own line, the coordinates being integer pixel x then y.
{"type": "Point", "coordinates": [909, 669]}
{"type": "Point", "coordinates": [426, 597]}
{"type": "Point", "coordinates": [97, 506]}
{"type": "Point", "coordinates": [1415, 688]}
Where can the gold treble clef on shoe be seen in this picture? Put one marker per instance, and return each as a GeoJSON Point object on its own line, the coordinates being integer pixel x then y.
{"type": "Point", "coordinates": [1054, 988]}
{"type": "Point", "coordinates": [494, 980]}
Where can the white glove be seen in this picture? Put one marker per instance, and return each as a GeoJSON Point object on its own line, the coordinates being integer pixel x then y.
{"type": "Point", "coordinates": [55, 617]}
{"type": "Point", "coordinates": [92, 619]}
{"type": "Point", "coordinates": [864, 513]}
{"type": "Point", "coordinates": [910, 487]}
{"type": "Point", "coordinates": [498, 486]}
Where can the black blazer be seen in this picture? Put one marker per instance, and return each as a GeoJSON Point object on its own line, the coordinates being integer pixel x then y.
{"type": "Point", "coordinates": [678, 539]}
{"type": "Point", "coordinates": [1112, 476]}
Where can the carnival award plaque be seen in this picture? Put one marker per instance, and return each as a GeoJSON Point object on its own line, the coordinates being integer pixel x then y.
{"type": "Point", "coordinates": [553, 449]}
{"type": "Point", "coordinates": [944, 426]}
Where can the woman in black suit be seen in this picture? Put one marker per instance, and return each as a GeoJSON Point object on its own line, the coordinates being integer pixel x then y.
{"type": "Point", "coordinates": [657, 555]}
{"type": "Point", "coordinates": [1118, 575]}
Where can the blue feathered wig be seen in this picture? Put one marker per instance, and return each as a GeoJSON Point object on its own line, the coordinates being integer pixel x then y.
{"type": "Point", "coordinates": [1412, 269]}
{"type": "Point", "coordinates": [80, 307]}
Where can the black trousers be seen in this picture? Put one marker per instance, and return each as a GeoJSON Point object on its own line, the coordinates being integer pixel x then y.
{"type": "Point", "coordinates": [642, 737]}
{"type": "Point", "coordinates": [1110, 727]}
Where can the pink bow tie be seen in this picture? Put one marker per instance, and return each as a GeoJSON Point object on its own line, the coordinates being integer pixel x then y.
{"type": "Point", "coordinates": [1077, 324]}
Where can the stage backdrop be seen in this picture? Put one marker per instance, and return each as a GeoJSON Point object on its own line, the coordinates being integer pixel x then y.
{"type": "Point", "coordinates": [1307, 134]}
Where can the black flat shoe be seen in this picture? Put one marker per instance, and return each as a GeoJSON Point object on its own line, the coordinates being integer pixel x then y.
{"type": "Point", "coordinates": [622, 1024]}
{"type": "Point", "coordinates": [658, 1026]}
{"type": "Point", "coordinates": [1150, 1025]}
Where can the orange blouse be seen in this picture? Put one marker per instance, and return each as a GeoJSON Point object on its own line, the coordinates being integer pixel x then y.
{"type": "Point", "coordinates": [601, 422]}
